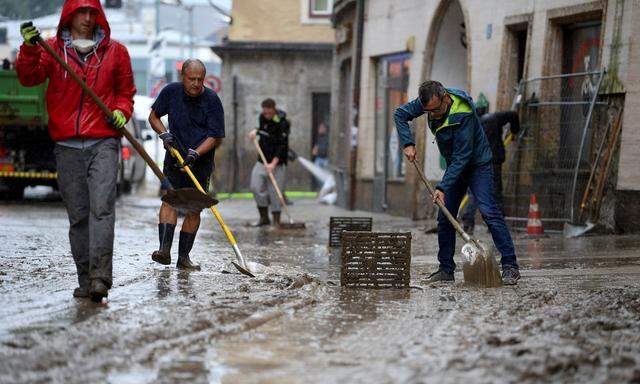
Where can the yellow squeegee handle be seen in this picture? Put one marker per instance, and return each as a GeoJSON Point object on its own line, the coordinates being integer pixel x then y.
{"type": "Point", "coordinates": [214, 210]}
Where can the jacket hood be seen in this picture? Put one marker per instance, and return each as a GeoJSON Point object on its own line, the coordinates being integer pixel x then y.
{"type": "Point", "coordinates": [70, 6]}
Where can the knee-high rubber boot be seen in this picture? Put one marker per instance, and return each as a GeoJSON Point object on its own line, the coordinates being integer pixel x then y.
{"type": "Point", "coordinates": [276, 218]}
{"type": "Point", "coordinates": [264, 217]}
{"type": "Point", "coordinates": [163, 254]}
{"type": "Point", "coordinates": [184, 247]}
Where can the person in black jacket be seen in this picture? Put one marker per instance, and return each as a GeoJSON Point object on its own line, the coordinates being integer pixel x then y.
{"type": "Point", "coordinates": [493, 124]}
{"type": "Point", "coordinates": [273, 136]}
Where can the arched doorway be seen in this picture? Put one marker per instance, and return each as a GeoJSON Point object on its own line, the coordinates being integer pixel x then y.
{"type": "Point", "coordinates": [446, 58]}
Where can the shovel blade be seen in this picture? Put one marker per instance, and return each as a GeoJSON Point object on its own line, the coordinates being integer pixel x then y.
{"type": "Point", "coordinates": [242, 270]}
{"type": "Point", "coordinates": [189, 199]}
{"type": "Point", "coordinates": [480, 267]}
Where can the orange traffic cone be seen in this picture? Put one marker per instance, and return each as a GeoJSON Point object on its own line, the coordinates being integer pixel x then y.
{"type": "Point", "coordinates": [534, 224]}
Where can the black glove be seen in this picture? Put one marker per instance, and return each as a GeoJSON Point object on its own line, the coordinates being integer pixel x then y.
{"type": "Point", "coordinates": [167, 139]}
{"type": "Point", "coordinates": [291, 155]}
{"type": "Point", "coordinates": [191, 158]}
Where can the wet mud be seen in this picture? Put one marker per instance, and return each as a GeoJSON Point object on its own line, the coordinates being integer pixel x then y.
{"type": "Point", "coordinates": [574, 317]}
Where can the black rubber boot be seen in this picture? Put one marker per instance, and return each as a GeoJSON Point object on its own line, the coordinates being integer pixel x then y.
{"type": "Point", "coordinates": [264, 217]}
{"type": "Point", "coordinates": [184, 247]}
{"type": "Point", "coordinates": [276, 218]}
{"type": "Point", "coordinates": [165, 234]}
{"type": "Point", "coordinates": [98, 290]}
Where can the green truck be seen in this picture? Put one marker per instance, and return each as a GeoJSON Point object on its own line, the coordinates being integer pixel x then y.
{"type": "Point", "coordinates": [26, 150]}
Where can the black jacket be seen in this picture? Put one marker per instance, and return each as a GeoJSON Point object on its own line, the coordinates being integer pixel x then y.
{"type": "Point", "coordinates": [493, 124]}
{"type": "Point", "coordinates": [274, 137]}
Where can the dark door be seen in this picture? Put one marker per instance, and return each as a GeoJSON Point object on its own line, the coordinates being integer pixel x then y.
{"type": "Point", "coordinates": [320, 115]}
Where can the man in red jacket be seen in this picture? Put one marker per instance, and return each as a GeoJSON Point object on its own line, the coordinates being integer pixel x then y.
{"type": "Point", "coordinates": [86, 143]}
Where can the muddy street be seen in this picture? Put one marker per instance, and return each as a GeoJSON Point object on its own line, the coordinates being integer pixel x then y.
{"type": "Point", "coordinates": [574, 317]}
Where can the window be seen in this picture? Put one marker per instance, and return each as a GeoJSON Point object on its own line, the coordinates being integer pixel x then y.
{"type": "Point", "coordinates": [3, 35]}
{"type": "Point", "coordinates": [391, 91]}
{"type": "Point", "coordinates": [320, 8]}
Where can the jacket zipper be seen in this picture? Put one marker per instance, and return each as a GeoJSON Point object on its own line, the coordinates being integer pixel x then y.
{"type": "Point", "coordinates": [79, 113]}
{"type": "Point", "coordinates": [82, 96]}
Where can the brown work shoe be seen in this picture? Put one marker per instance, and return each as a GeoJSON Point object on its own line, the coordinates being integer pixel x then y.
{"type": "Point", "coordinates": [161, 257]}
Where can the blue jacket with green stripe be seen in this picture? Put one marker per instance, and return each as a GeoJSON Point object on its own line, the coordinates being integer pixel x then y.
{"type": "Point", "coordinates": [461, 139]}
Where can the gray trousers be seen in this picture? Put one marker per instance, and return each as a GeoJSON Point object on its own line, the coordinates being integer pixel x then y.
{"type": "Point", "coordinates": [262, 189]}
{"type": "Point", "coordinates": [87, 182]}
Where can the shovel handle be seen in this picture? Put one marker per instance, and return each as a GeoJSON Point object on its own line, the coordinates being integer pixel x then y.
{"type": "Point", "coordinates": [138, 147]}
{"type": "Point", "coordinates": [273, 180]}
{"type": "Point", "coordinates": [444, 209]}
{"type": "Point", "coordinates": [232, 240]}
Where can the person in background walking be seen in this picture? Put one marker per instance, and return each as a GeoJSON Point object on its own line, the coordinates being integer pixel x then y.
{"type": "Point", "coordinates": [320, 151]}
{"type": "Point", "coordinates": [87, 145]}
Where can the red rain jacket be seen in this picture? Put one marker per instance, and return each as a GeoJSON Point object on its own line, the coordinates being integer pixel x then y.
{"type": "Point", "coordinates": [72, 113]}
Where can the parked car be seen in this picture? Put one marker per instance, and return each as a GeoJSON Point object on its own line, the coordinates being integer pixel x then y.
{"type": "Point", "coordinates": [132, 165]}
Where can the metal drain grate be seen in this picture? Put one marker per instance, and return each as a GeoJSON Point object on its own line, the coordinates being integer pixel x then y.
{"type": "Point", "coordinates": [375, 260]}
{"type": "Point", "coordinates": [339, 224]}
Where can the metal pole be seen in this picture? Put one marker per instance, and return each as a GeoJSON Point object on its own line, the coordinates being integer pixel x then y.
{"type": "Point", "coordinates": [582, 141]}
{"type": "Point", "coordinates": [191, 42]}
{"type": "Point", "coordinates": [157, 18]}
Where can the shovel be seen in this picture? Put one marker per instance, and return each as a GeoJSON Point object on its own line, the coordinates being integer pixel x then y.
{"type": "Point", "coordinates": [291, 224]}
{"type": "Point", "coordinates": [186, 198]}
{"type": "Point", "coordinates": [242, 266]}
{"type": "Point", "coordinates": [479, 265]}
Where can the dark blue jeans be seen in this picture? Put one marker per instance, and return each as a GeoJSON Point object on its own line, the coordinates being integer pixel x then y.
{"type": "Point", "coordinates": [479, 180]}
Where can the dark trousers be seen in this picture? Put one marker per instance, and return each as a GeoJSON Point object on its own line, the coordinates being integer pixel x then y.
{"type": "Point", "coordinates": [480, 180]}
{"type": "Point", "coordinates": [87, 182]}
{"type": "Point", "coordinates": [469, 211]}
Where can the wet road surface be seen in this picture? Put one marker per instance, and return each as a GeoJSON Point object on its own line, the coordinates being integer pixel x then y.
{"type": "Point", "coordinates": [574, 317]}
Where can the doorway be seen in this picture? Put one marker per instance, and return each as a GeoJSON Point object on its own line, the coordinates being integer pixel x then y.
{"type": "Point", "coordinates": [320, 129]}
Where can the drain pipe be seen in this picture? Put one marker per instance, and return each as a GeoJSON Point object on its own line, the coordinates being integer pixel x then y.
{"type": "Point", "coordinates": [357, 70]}
{"type": "Point", "coordinates": [234, 182]}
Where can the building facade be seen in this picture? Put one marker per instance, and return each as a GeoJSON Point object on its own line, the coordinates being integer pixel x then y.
{"type": "Point", "coordinates": [543, 58]}
{"type": "Point", "coordinates": [280, 49]}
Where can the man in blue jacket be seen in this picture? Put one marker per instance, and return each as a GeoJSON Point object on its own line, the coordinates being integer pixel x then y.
{"type": "Point", "coordinates": [461, 140]}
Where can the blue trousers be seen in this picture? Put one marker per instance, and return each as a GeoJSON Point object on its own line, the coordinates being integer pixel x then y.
{"type": "Point", "coordinates": [479, 180]}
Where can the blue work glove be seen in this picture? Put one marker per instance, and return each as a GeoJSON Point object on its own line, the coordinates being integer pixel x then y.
{"type": "Point", "coordinates": [168, 140]}
{"type": "Point", "coordinates": [29, 33]}
{"type": "Point", "coordinates": [191, 158]}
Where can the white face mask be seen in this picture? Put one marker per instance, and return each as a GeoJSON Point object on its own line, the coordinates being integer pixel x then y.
{"type": "Point", "coordinates": [83, 45]}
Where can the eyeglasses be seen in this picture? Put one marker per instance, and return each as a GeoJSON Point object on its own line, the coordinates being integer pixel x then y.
{"type": "Point", "coordinates": [439, 107]}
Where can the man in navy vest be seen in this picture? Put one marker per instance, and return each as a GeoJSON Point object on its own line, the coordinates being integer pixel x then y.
{"type": "Point", "coordinates": [462, 142]}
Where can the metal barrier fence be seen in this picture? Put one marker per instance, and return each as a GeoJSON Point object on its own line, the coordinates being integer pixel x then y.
{"type": "Point", "coordinates": [551, 154]}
